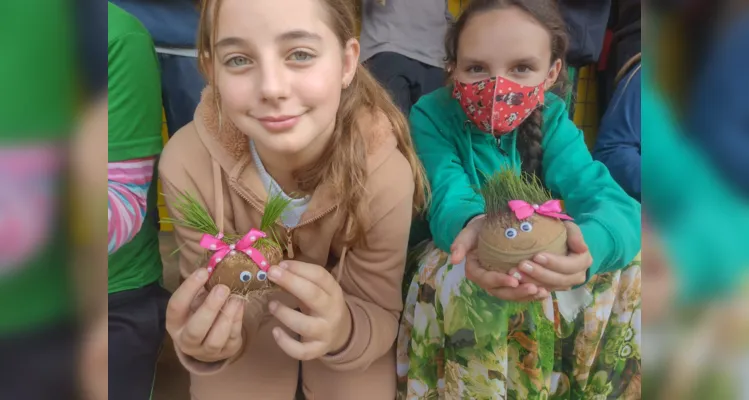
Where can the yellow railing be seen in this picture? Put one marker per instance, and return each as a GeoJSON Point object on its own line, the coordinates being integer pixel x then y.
{"type": "Point", "coordinates": [160, 202]}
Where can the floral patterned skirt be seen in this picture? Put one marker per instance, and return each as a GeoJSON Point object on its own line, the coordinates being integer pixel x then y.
{"type": "Point", "coordinates": [456, 341]}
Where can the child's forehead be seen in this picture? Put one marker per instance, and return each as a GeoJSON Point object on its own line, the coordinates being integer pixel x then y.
{"type": "Point", "coordinates": [255, 20]}
{"type": "Point", "coordinates": [504, 35]}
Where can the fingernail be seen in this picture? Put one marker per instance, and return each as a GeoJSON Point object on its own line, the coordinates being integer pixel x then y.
{"type": "Point", "coordinates": [221, 291]}
{"type": "Point", "coordinates": [202, 274]}
{"type": "Point", "coordinates": [276, 332]}
{"type": "Point", "coordinates": [541, 259]}
{"type": "Point", "coordinates": [517, 275]}
{"type": "Point", "coordinates": [272, 306]}
{"type": "Point", "coordinates": [527, 268]}
{"type": "Point", "coordinates": [284, 265]}
{"type": "Point", "coordinates": [275, 273]}
{"type": "Point", "coordinates": [236, 300]}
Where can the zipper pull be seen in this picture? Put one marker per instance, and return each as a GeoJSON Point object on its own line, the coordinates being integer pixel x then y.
{"type": "Point", "coordinates": [289, 244]}
{"type": "Point", "coordinates": [499, 146]}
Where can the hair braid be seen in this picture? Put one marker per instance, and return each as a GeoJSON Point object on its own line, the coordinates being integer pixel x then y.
{"type": "Point", "coordinates": [530, 136]}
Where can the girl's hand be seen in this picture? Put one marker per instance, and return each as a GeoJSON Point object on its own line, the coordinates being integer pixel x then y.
{"type": "Point", "coordinates": [555, 272]}
{"type": "Point", "coordinates": [325, 321]}
{"type": "Point", "coordinates": [207, 328]}
{"type": "Point", "coordinates": [501, 285]}
{"type": "Point", "coordinates": [498, 284]}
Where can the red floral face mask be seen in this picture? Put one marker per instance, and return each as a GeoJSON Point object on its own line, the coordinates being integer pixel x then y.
{"type": "Point", "coordinates": [498, 105]}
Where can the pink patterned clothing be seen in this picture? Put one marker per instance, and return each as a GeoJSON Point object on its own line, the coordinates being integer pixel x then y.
{"type": "Point", "coordinates": [28, 201]}
{"type": "Point", "coordinates": [128, 183]}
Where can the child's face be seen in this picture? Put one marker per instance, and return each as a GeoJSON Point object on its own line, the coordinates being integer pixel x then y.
{"type": "Point", "coordinates": [507, 43]}
{"type": "Point", "coordinates": [279, 69]}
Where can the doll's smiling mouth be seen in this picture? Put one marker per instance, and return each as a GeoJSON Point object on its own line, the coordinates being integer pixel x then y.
{"type": "Point", "coordinates": [528, 247]}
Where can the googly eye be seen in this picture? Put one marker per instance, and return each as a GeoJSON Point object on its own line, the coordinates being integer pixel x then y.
{"type": "Point", "coordinates": [526, 227]}
{"type": "Point", "coordinates": [511, 233]}
{"type": "Point", "coordinates": [245, 276]}
{"type": "Point", "coordinates": [261, 276]}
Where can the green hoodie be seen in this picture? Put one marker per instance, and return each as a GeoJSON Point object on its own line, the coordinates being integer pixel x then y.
{"type": "Point", "coordinates": [703, 222]}
{"type": "Point", "coordinates": [456, 154]}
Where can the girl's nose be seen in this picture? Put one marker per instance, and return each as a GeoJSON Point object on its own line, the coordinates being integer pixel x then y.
{"type": "Point", "coordinates": [273, 83]}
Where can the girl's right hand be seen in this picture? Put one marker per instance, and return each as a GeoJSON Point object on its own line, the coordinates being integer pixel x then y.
{"type": "Point", "coordinates": [204, 325]}
{"type": "Point", "coordinates": [500, 285]}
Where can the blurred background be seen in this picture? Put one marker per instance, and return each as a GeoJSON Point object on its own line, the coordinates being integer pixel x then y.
{"type": "Point", "coordinates": [53, 265]}
{"type": "Point", "coordinates": [695, 173]}
{"type": "Point", "coordinates": [693, 181]}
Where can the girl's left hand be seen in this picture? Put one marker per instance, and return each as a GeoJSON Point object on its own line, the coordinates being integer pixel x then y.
{"type": "Point", "coordinates": [555, 272]}
{"type": "Point", "coordinates": [325, 321]}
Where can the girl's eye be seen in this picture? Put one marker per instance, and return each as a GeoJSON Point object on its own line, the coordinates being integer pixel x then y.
{"type": "Point", "coordinates": [526, 227]}
{"type": "Point", "coordinates": [511, 233]}
{"type": "Point", "coordinates": [245, 276]}
{"type": "Point", "coordinates": [475, 69]}
{"type": "Point", "coordinates": [301, 56]}
{"type": "Point", "coordinates": [261, 276]}
{"type": "Point", "coordinates": [238, 61]}
{"type": "Point", "coordinates": [522, 69]}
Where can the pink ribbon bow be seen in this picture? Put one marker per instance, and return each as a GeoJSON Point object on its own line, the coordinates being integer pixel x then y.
{"type": "Point", "coordinates": [221, 248]}
{"type": "Point", "coordinates": [523, 210]}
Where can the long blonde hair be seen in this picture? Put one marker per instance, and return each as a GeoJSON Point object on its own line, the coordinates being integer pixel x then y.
{"type": "Point", "coordinates": [343, 164]}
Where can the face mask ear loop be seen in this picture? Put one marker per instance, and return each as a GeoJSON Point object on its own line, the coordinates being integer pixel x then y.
{"type": "Point", "coordinates": [493, 102]}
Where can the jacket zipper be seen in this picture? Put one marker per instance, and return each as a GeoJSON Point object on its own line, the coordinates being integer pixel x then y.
{"type": "Point", "coordinates": [288, 230]}
{"type": "Point", "coordinates": [498, 142]}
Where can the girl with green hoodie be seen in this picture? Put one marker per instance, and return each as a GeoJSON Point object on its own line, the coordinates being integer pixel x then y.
{"type": "Point", "coordinates": [471, 333]}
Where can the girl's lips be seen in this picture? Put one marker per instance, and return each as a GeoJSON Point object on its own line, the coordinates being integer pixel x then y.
{"type": "Point", "coordinates": [279, 124]}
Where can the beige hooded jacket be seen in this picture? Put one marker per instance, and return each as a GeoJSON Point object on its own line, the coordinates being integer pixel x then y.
{"type": "Point", "coordinates": [217, 168]}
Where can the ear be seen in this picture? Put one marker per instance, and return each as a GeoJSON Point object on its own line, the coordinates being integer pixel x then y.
{"type": "Point", "coordinates": [350, 62]}
{"type": "Point", "coordinates": [450, 70]}
{"type": "Point", "coordinates": [551, 78]}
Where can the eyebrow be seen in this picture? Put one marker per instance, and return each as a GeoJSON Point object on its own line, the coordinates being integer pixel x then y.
{"type": "Point", "coordinates": [231, 41]}
{"type": "Point", "coordinates": [524, 60]}
{"type": "Point", "coordinates": [527, 60]}
{"type": "Point", "coordinates": [471, 61]}
{"type": "Point", "coordinates": [284, 37]}
{"type": "Point", "coordinates": [298, 34]}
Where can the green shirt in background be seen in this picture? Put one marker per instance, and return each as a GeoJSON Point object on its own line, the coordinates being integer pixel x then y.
{"type": "Point", "coordinates": [134, 132]}
{"type": "Point", "coordinates": [456, 155]}
{"type": "Point", "coordinates": [37, 72]}
{"type": "Point", "coordinates": [37, 103]}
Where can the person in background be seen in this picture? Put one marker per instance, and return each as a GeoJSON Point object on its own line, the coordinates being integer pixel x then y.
{"type": "Point", "coordinates": [86, 182]}
{"type": "Point", "coordinates": [718, 113]}
{"type": "Point", "coordinates": [586, 28]}
{"type": "Point", "coordinates": [625, 26]}
{"type": "Point", "coordinates": [137, 302]}
{"type": "Point", "coordinates": [618, 142]}
{"type": "Point", "coordinates": [173, 25]}
{"type": "Point", "coordinates": [683, 192]}
{"type": "Point", "coordinates": [402, 46]}
{"type": "Point", "coordinates": [38, 326]}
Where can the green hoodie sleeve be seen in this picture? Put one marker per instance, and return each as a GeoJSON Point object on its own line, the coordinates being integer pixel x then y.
{"type": "Point", "coordinates": [609, 219]}
{"type": "Point", "coordinates": [453, 202]}
{"type": "Point", "coordinates": [702, 221]}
